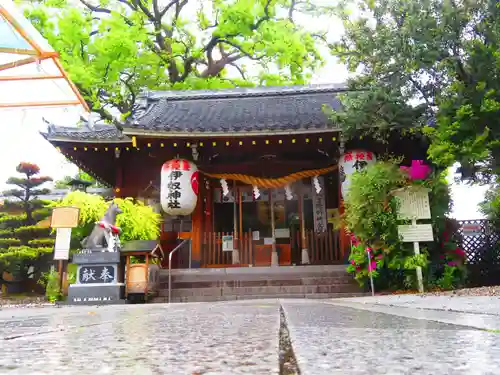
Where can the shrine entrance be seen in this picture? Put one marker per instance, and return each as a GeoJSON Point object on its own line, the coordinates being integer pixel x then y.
{"type": "Point", "coordinates": [248, 217]}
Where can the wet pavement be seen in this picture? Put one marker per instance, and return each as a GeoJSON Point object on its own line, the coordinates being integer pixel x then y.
{"type": "Point", "coordinates": [327, 337]}
{"type": "Point", "coordinates": [142, 339]}
{"type": "Point", "coordinates": [340, 340]}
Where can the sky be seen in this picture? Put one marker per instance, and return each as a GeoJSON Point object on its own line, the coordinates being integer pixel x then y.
{"type": "Point", "coordinates": [21, 140]}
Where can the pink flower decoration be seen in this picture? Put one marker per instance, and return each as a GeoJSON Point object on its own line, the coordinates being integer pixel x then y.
{"type": "Point", "coordinates": [441, 257]}
{"type": "Point", "coordinates": [452, 264]}
{"type": "Point", "coordinates": [368, 249]}
{"type": "Point", "coordinates": [373, 265]}
{"type": "Point", "coordinates": [418, 170]}
{"type": "Point", "coordinates": [353, 262]}
{"type": "Point", "coordinates": [380, 256]}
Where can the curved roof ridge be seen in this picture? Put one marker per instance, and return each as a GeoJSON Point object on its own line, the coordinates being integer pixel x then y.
{"type": "Point", "coordinates": [242, 92]}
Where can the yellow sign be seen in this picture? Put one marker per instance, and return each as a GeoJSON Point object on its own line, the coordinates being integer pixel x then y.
{"type": "Point", "coordinates": [65, 217]}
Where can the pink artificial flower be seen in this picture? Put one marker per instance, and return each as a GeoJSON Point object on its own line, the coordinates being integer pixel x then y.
{"type": "Point", "coordinates": [441, 256]}
{"type": "Point", "coordinates": [373, 265]}
{"type": "Point", "coordinates": [353, 262]}
{"type": "Point", "coordinates": [380, 256]}
{"type": "Point", "coordinates": [460, 252]}
{"type": "Point", "coordinates": [418, 170]}
{"type": "Point", "coordinates": [368, 249]}
{"type": "Point", "coordinates": [358, 268]}
{"type": "Point", "coordinates": [452, 264]}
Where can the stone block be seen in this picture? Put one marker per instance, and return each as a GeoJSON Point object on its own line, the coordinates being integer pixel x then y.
{"type": "Point", "coordinates": [96, 258]}
{"type": "Point", "coordinates": [95, 294]}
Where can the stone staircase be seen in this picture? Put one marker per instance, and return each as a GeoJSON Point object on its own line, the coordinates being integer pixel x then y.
{"type": "Point", "coordinates": [225, 284]}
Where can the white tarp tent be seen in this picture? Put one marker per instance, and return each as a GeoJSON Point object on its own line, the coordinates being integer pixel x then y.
{"type": "Point", "coordinates": [31, 74]}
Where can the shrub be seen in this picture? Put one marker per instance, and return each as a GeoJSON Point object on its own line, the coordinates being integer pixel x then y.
{"type": "Point", "coordinates": [371, 216]}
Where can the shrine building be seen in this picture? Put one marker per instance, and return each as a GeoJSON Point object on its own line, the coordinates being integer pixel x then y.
{"type": "Point", "coordinates": [271, 169]}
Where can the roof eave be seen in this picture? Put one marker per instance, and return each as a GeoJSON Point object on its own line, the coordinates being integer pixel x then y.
{"type": "Point", "coordinates": [133, 131]}
{"type": "Point", "coordinates": [52, 139]}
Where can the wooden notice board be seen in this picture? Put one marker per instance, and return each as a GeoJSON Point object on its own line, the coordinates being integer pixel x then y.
{"type": "Point", "coordinates": [65, 217]}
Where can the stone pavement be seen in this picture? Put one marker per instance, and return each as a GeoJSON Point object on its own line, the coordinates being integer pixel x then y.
{"type": "Point", "coordinates": [238, 338]}
{"type": "Point", "coordinates": [330, 339]}
{"type": "Point", "coordinates": [341, 336]}
{"type": "Point", "coordinates": [477, 304]}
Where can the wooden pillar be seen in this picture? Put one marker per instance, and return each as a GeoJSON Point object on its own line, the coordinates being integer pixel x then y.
{"type": "Point", "coordinates": [302, 226]}
{"type": "Point", "coordinates": [240, 204]}
{"type": "Point", "coordinates": [236, 252]}
{"type": "Point", "coordinates": [197, 219]}
{"type": "Point", "coordinates": [344, 239]}
{"type": "Point", "coordinates": [274, 253]}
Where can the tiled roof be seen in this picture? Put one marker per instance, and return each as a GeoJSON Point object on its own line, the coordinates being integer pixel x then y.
{"type": "Point", "coordinates": [249, 110]}
{"type": "Point", "coordinates": [99, 133]}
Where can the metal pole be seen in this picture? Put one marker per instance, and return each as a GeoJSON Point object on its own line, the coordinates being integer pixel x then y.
{"type": "Point", "coordinates": [370, 272]}
{"type": "Point", "coordinates": [170, 268]}
{"type": "Point", "coordinates": [190, 252]}
{"type": "Point", "coordinates": [416, 248]}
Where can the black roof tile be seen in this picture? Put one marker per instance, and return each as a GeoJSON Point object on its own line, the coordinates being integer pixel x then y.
{"type": "Point", "coordinates": [261, 109]}
{"type": "Point", "coordinates": [99, 133]}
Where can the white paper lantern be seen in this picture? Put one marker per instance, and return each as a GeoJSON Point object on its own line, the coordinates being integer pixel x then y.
{"type": "Point", "coordinates": [179, 187]}
{"type": "Point", "coordinates": [351, 162]}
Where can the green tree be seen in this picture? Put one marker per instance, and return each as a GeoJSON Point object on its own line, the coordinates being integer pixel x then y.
{"type": "Point", "coordinates": [114, 49]}
{"type": "Point", "coordinates": [427, 64]}
{"type": "Point", "coordinates": [22, 241]}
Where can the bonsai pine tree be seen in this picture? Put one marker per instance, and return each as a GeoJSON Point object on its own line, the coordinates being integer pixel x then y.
{"type": "Point", "coordinates": [23, 243]}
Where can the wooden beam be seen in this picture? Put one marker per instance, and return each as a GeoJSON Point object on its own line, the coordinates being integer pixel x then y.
{"type": "Point", "coordinates": [8, 17]}
{"type": "Point", "coordinates": [15, 64]}
{"type": "Point", "coordinates": [29, 78]}
{"type": "Point", "coordinates": [18, 51]}
{"type": "Point", "coordinates": [71, 84]}
{"type": "Point", "coordinates": [39, 104]}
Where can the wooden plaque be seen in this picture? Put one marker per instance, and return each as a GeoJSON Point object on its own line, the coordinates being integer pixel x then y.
{"type": "Point", "coordinates": [414, 203]}
{"type": "Point", "coordinates": [65, 217]}
{"type": "Point", "coordinates": [416, 233]}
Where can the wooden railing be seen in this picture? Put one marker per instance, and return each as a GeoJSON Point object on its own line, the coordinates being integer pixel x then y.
{"type": "Point", "coordinates": [323, 248]}
{"type": "Point", "coordinates": [213, 256]}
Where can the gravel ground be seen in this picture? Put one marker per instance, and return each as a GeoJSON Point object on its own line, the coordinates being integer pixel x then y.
{"type": "Point", "coordinates": [23, 302]}
{"type": "Point", "coordinates": [483, 291]}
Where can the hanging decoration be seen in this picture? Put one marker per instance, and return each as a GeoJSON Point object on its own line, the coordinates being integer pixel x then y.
{"type": "Point", "coordinates": [288, 193]}
{"type": "Point", "coordinates": [418, 170]}
{"type": "Point", "coordinates": [317, 185]}
{"type": "Point", "coordinates": [225, 188]}
{"type": "Point", "coordinates": [179, 187]}
{"type": "Point", "coordinates": [256, 193]}
{"type": "Point", "coordinates": [351, 162]}
{"type": "Point", "coordinates": [269, 183]}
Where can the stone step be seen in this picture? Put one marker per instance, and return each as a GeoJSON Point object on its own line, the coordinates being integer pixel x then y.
{"type": "Point", "coordinates": [176, 284]}
{"type": "Point", "coordinates": [256, 276]}
{"type": "Point", "coordinates": [253, 273]}
{"type": "Point", "coordinates": [260, 290]}
{"type": "Point", "coordinates": [251, 297]}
